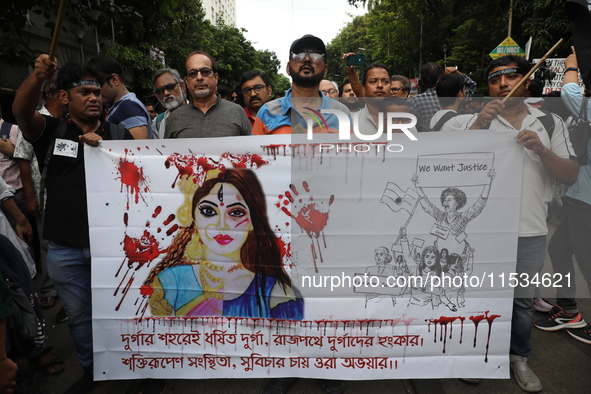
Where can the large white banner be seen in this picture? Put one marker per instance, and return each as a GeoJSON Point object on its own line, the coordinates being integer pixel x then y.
{"type": "Point", "coordinates": [272, 256]}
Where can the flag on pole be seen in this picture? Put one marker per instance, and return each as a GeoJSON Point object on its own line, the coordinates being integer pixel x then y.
{"type": "Point", "coordinates": [396, 198]}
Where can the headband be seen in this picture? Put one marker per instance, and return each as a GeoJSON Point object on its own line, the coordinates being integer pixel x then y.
{"type": "Point", "coordinates": [73, 85]}
{"type": "Point", "coordinates": [506, 71]}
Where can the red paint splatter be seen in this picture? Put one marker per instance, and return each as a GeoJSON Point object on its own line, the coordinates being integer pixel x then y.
{"type": "Point", "coordinates": [132, 177]}
{"type": "Point", "coordinates": [294, 189]}
{"type": "Point", "coordinates": [443, 321]}
{"type": "Point", "coordinates": [125, 290]}
{"type": "Point", "coordinates": [172, 229]}
{"type": "Point", "coordinates": [157, 211]}
{"type": "Point", "coordinates": [476, 320]}
{"type": "Point", "coordinates": [311, 220]}
{"type": "Point", "coordinates": [306, 188]}
{"type": "Point", "coordinates": [192, 166]}
{"type": "Point", "coordinates": [273, 150]}
{"type": "Point", "coordinates": [245, 161]}
{"type": "Point", "coordinates": [489, 320]}
{"type": "Point", "coordinates": [146, 290]}
{"type": "Point", "coordinates": [142, 250]}
{"type": "Point", "coordinates": [284, 248]}
{"type": "Point", "coordinates": [125, 218]}
{"type": "Point", "coordinates": [169, 219]}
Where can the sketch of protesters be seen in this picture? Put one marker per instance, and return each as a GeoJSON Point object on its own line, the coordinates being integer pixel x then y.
{"type": "Point", "coordinates": [458, 266]}
{"type": "Point", "coordinates": [425, 292]}
{"type": "Point", "coordinates": [443, 258]}
{"type": "Point", "coordinates": [401, 268]}
{"type": "Point", "coordinates": [383, 258]}
{"type": "Point", "coordinates": [452, 200]}
{"type": "Point", "coordinates": [228, 261]}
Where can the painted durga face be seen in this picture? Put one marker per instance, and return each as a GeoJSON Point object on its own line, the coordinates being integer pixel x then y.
{"type": "Point", "coordinates": [223, 222]}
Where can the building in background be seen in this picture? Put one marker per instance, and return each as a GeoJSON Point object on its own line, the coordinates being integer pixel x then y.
{"type": "Point", "coordinates": [226, 9]}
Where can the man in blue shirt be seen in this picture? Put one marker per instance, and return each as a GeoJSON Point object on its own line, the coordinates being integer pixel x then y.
{"type": "Point", "coordinates": [288, 115]}
{"type": "Point", "coordinates": [124, 107]}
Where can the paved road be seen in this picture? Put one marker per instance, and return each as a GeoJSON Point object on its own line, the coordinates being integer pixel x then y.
{"type": "Point", "coordinates": [562, 363]}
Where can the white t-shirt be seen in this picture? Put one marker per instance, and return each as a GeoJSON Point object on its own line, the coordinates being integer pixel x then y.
{"type": "Point", "coordinates": [536, 185]}
{"type": "Point", "coordinates": [458, 122]}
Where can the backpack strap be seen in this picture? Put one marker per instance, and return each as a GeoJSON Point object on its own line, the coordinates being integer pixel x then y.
{"type": "Point", "coordinates": [5, 128]}
{"type": "Point", "coordinates": [443, 120]}
{"type": "Point", "coordinates": [117, 131]}
{"type": "Point", "coordinates": [547, 121]}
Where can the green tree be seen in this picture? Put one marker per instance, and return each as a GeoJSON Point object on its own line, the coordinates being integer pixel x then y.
{"type": "Point", "coordinates": [391, 32]}
{"type": "Point", "coordinates": [176, 27]}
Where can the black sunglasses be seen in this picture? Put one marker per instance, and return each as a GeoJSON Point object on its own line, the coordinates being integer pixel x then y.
{"type": "Point", "coordinates": [170, 87]}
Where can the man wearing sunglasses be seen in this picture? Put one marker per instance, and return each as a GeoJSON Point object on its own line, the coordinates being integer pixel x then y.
{"type": "Point", "coordinates": [306, 67]}
{"type": "Point", "coordinates": [169, 89]}
{"type": "Point", "coordinates": [256, 90]}
{"type": "Point", "coordinates": [207, 115]}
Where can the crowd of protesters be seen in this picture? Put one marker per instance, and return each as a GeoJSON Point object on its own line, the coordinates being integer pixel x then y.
{"type": "Point", "coordinates": [44, 213]}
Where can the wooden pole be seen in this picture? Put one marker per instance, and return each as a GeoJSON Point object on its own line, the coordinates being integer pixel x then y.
{"type": "Point", "coordinates": [534, 68]}
{"type": "Point", "coordinates": [510, 18]}
{"type": "Point", "coordinates": [58, 27]}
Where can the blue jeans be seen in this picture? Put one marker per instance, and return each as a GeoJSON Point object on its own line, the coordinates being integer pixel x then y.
{"type": "Point", "coordinates": [572, 237]}
{"type": "Point", "coordinates": [531, 252]}
{"type": "Point", "coordinates": [69, 268]}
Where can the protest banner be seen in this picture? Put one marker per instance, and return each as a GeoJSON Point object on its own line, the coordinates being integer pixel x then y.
{"type": "Point", "coordinates": [277, 256]}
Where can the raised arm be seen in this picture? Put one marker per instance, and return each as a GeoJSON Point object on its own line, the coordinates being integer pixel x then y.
{"type": "Point", "coordinates": [571, 93]}
{"type": "Point", "coordinates": [485, 192]}
{"type": "Point", "coordinates": [24, 108]}
{"type": "Point", "coordinates": [353, 78]}
{"type": "Point", "coordinates": [406, 252]}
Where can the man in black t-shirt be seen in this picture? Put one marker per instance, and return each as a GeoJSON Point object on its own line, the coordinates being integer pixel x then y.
{"type": "Point", "coordinates": [66, 218]}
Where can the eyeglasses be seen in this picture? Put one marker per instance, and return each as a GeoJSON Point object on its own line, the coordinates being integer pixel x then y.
{"type": "Point", "coordinates": [205, 72]}
{"type": "Point", "coordinates": [315, 57]}
{"type": "Point", "coordinates": [396, 90]}
{"type": "Point", "coordinates": [330, 91]}
{"type": "Point", "coordinates": [152, 111]}
{"type": "Point", "coordinates": [170, 87]}
{"type": "Point", "coordinates": [257, 89]}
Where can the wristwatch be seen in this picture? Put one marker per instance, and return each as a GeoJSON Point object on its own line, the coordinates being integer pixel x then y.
{"type": "Point", "coordinates": [571, 69]}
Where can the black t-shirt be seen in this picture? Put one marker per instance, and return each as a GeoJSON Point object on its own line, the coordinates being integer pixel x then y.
{"type": "Point", "coordinates": [66, 215]}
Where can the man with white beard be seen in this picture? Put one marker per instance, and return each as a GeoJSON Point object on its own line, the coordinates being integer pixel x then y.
{"type": "Point", "coordinates": [169, 89]}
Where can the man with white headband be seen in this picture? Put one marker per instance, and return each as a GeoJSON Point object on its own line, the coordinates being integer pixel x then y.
{"type": "Point", "coordinates": [548, 156]}
{"type": "Point", "coordinates": [58, 145]}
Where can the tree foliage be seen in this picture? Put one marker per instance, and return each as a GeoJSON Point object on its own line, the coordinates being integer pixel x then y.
{"type": "Point", "coordinates": [391, 33]}
{"type": "Point", "coordinates": [130, 28]}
